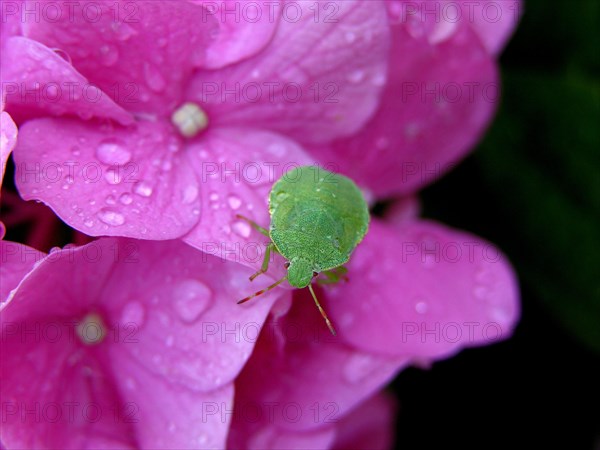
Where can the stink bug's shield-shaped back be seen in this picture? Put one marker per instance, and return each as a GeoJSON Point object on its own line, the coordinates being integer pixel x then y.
{"type": "Point", "coordinates": [317, 220]}
{"type": "Point", "coordinates": [317, 217]}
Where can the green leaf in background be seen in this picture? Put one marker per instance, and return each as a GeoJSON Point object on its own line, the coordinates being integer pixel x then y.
{"type": "Point", "coordinates": [541, 160]}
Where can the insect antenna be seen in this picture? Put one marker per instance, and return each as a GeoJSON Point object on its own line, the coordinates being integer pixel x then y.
{"type": "Point", "coordinates": [262, 291]}
{"type": "Point", "coordinates": [322, 311]}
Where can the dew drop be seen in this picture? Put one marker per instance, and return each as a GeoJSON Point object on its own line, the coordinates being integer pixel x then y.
{"type": "Point", "coordinates": [154, 78]}
{"type": "Point", "coordinates": [234, 202]}
{"type": "Point", "coordinates": [191, 299]}
{"type": "Point", "coordinates": [480, 292]}
{"type": "Point", "coordinates": [421, 307]}
{"type": "Point", "coordinates": [277, 149]}
{"type": "Point", "coordinates": [110, 200]}
{"type": "Point", "coordinates": [242, 229]}
{"type": "Point", "coordinates": [499, 315]}
{"type": "Point", "coordinates": [382, 143]}
{"type": "Point", "coordinates": [190, 194]}
{"type": "Point", "coordinates": [112, 152]}
{"type": "Point", "coordinates": [379, 79]}
{"type": "Point", "coordinates": [89, 223]}
{"type": "Point", "coordinates": [110, 217]}
{"type": "Point", "coordinates": [133, 313]}
{"type": "Point", "coordinates": [113, 176]}
{"type": "Point", "coordinates": [358, 367]}
{"type": "Point", "coordinates": [126, 199]}
{"type": "Point", "coordinates": [350, 37]}
{"type": "Point", "coordinates": [356, 76]}
{"type": "Point", "coordinates": [143, 189]}
{"type": "Point", "coordinates": [169, 341]}
{"type": "Point", "coordinates": [123, 31]}
{"type": "Point", "coordinates": [130, 384]}
{"type": "Point", "coordinates": [109, 55]}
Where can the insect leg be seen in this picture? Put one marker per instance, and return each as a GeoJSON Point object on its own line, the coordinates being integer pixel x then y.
{"type": "Point", "coordinates": [262, 291]}
{"type": "Point", "coordinates": [265, 263]}
{"type": "Point", "coordinates": [322, 311]}
{"type": "Point", "coordinates": [254, 225]}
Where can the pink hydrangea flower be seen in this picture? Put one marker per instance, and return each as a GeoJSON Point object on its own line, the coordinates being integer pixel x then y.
{"type": "Point", "coordinates": [112, 345]}
{"type": "Point", "coordinates": [154, 164]}
{"type": "Point", "coordinates": [418, 292]}
{"type": "Point", "coordinates": [171, 164]}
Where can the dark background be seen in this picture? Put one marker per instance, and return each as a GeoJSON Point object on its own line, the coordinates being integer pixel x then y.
{"type": "Point", "coordinates": [533, 188]}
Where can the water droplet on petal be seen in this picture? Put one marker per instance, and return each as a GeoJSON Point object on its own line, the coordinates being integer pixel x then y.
{"type": "Point", "coordinates": [242, 229]}
{"type": "Point", "coordinates": [190, 194]}
{"type": "Point", "coordinates": [382, 143]}
{"type": "Point", "coordinates": [110, 217]}
{"type": "Point", "coordinates": [191, 299]}
{"type": "Point", "coordinates": [480, 292]}
{"type": "Point", "coordinates": [123, 31]}
{"type": "Point", "coordinates": [109, 55]}
{"type": "Point", "coordinates": [358, 367]}
{"type": "Point", "coordinates": [169, 341]}
{"type": "Point", "coordinates": [134, 313]}
{"type": "Point", "coordinates": [421, 307]}
{"type": "Point", "coordinates": [89, 223]}
{"type": "Point", "coordinates": [234, 202]}
{"type": "Point", "coordinates": [113, 176]}
{"type": "Point", "coordinates": [350, 37]}
{"type": "Point", "coordinates": [130, 384]}
{"type": "Point", "coordinates": [356, 76]}
{"type": "Point", "coordinates": [154, 78]}
{"type": "Point", "coordinates": [143, 189]}
{"type": "Point", "coordinates": [499, 315]}
{"type": "Point", "coordinates": [126, 199]}
{"type": "Point", "coordinates": [379, 79]}
{"type": "Point", "coordinates": [113, 152]}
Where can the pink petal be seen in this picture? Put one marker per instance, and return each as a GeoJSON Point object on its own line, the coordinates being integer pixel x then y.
{"type": "Point", "coordinates": [370, 425]}
{"type": "Point", "coordinates": [105, 180]}
{"type": "Point", "coordinates": [16, 262]}
{"type": "Point", "coordinates": [493, 21]}
{"type": "Point", "coordinates": [57, 397]}
{"type": "Point", "coordinates": [301, 378]}
{"type": "Point", "coordinates": [175, 340]}
{"type": "Point", "coordinates": [237, 168]}
{"type": "Point", "coordinates": [171, 416]}
{"type": "Point", "coordinates": [317, 79]}
{"type": "Point", "coordinates": [422, 290]}
{"type": "Point", "coordinates": [439, 98]}
{"type": "Point", "coordinates": [139, 52]}
{"type": "Point", "coordinates": [11, 21]}
{"type": "Point", "coordinates": [37, 81]}
{"type": "Point", "coordinates": [245, 28]}
{"type": "Point", "coordinates": [8, 139]}
{"type": "Point", "coordinates": [275, 438]}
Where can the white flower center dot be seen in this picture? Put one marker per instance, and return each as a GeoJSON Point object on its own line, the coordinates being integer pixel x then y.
{"type": "Point", "coordinates": [91, 330]}
{"type": "Point", "coordinates": [189, 119]}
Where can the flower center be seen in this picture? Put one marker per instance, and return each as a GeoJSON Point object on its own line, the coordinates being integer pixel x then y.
{"type": "Point", "coordinates": [189, 119]}
{"type": "Point", "coordinates": [91, 330]}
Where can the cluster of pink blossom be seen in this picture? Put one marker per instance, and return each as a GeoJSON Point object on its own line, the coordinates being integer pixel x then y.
{"type": "Point", "coordinates": [151, 125]}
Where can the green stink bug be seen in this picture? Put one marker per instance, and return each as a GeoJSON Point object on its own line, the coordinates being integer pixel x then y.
{"type": "Point", "coordinates": [317, 220]}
